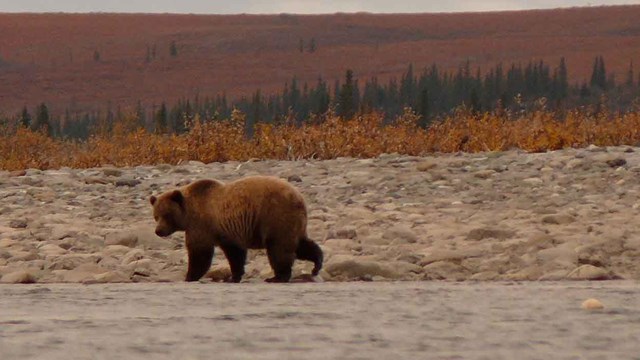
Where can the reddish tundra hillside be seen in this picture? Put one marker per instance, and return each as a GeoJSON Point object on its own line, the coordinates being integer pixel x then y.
{"type": "Point", "coordinates": [85, 61]}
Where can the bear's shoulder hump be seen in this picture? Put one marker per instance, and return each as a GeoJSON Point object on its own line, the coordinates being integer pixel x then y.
{"type": "Point", "coordinates": [201, 187]}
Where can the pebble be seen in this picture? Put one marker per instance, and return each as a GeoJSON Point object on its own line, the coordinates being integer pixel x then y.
{"type": "Point", "coordinates": [592, 304]}
{"type": "Point", "coordinates": [18, 224]}
{"type": "Point", "coordinates": [617, 162]}
{"type": "Point", "coordinates": [127, 182]}
{"type": "Point", "coordinates": [561, 219]}
{"type": "Point", "coordinates": [486, 233]}
{"type": "Point", "coordinates": [400, 234]}
{"type": "Point", "coordinates": [590, 272]}
{"type": "Point", "coordinates": [360, 270]}
{"type": "Point", "coordinates": [484, 174]}
{"type": "Point", "coordinates": [534, 181]}
{"type": "Point", "coordinates": [124, 239]}
{"type": "Point", "coordinates": [17, 173]}
{"type": "Point", "coordinates": [342, 233]}
{"type": "Point", "coordinates": [18, 277]}
{"type": "Point", "coordinates": [112, 172]}
{"type": "Point", "coordinates": [294, 178]}
{"type": "Point", "coordinates": [425, 165]}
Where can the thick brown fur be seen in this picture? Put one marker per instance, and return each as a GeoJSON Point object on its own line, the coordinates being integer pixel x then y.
{"type": "Point", "coordinates": [257, 212]}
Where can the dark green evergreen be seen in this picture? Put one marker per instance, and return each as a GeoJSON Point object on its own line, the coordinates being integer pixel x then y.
{"type": "Point", "coordinates": [173, 49]}
{"type": "Point", "coordinates": [346, 102]}
{"type": "Point", "coordinates": [25, 118]}
{"type": "Point", "coordinates": [43, 122]}
{"type": "Point", "coordinates": [599, 74]}
{"type": "Point", "coordinates": [161, 120]}
{"type": "Point", "coordinates": [563, 80]}
{"type": "Point", "coordinates": [431, 92]}
{"type": "Point", "coordinates": [312, 45]}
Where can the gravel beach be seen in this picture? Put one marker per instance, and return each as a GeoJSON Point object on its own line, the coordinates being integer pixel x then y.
{"type": "Point", "coordinates": [563, 215]}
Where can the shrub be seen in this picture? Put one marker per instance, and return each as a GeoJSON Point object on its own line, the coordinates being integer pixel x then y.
{"type": "Point", "coordinates": [362, 136]}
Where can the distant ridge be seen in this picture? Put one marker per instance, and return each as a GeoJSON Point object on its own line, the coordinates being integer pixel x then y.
{"type": "Point", "coordinates": [86, 61]}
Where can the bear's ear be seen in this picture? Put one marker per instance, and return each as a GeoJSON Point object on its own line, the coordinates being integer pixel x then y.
{"type": "Point", "coordinates": [152, 200]}
{"type": "Point", "coordinates": [176, 196]}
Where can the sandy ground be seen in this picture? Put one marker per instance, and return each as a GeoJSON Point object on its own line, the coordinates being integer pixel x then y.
{"type": "Point", "coordinates": [362, 320]}
{"type": "Point", "coordinates": [563, 215]}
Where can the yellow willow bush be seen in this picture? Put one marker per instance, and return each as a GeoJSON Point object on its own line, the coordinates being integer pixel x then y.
{"type": "Point", "coordinates": [218, 140]}
{"type": "Point", "coordinates": [135, 148]}
{"type": "Point", "coordinates": [24, 149]}
{"type": "Point", "coordinates": [363, 136]}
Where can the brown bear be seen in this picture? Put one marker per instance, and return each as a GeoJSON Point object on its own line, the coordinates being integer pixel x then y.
{"type": "Point", "coordinates": [256, 212]}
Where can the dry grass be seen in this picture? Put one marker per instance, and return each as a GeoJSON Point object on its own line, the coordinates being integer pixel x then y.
{"type": "Point", "coordinates": [363, 136]}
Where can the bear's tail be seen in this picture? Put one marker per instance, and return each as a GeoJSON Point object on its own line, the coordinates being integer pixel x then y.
{"type": "Point", "coordinates": [310, 251]}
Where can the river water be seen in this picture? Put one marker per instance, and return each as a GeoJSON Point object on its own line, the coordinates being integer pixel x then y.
{"type": "Point", "coordinates": [366, 320]}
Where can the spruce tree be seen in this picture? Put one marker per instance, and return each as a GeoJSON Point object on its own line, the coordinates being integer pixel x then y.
{"type": "Point", "coordinates": [304, 103]}
{"type": "Point", "coordinates": [173, 49]}
{"type": "Point", "coordinates": [312, 45]}
{"type": "Point", "coordinates": [474, 101]}
{"type": "Point", "coordinates": [55, 127]}
{"type": "Point", "coordinates": [141, 120]}
{"type": "Point", "coordinates": [319, 98]}
{"type": "Point", "coordinates": [161, 120]}
{"type": "Point", "coordinates": [599, 74]}
{"type": "Point", "coordinates": [563, 80]}
{"type": "Point", "coordinates": [630, 77]}
{"type": "Point", "coordinates": [346, 102]}
{"type": "Point", "coordinates": [602, 74]}
{"type": "Point", "coordinates": [256, 105]}
{"type": "Point", "coordinates": [356, 96]}
{"type": "Point", "coordinates": [423, 107]}
{"type": "Point", "coordinates": [43, 121]}
{"type": "Point", "coordinates": [407, 87]}
{"type": "Point", "coordinates": [294, 95]}
{"type": "Point", "coordinates": [254, 114]}
{"type": "Point", "coordinates": [25, 118]}
{"type": "Point", "coordinates": [594, 72]}
{"type": "Point", "coordinates": [65, 123]}
{"type": "Point", "coordinates": [336, 92]}
{"type": "Point", "coordinates": [499, 81]}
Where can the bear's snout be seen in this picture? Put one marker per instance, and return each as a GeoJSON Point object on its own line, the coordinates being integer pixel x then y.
{"type": "Point", "coordinates": [162, 232]}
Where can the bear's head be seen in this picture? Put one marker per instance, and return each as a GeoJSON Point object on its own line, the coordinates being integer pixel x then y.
{"type": "Point", "coordinates": [169, 212]}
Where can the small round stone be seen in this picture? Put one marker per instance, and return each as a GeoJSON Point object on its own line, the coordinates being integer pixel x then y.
{"type": "Point", "coordinates": [592, 304]}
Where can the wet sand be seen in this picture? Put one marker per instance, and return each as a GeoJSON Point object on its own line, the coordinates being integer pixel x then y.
{"type": "Point", "coordinates": [356, 320]}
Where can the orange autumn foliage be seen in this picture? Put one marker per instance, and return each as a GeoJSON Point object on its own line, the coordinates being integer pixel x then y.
{"type": "Point", "coordinates": [362, 137]}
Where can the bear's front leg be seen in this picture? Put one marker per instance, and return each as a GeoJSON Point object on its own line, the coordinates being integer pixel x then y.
{"type": "Point", "coordinates": [237, 257]}
{"type": "Point", "coordinates": [200, 258]}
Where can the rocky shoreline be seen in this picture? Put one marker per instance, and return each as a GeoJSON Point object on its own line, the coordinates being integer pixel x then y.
{"type": "Point", "coordinates": [563, 215]}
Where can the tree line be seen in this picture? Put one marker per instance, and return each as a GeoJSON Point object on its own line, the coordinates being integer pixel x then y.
{"type": "Point", "coordinates": [430, 92]}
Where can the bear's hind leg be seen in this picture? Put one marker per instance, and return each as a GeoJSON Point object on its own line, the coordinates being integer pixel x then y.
{"type": "Point", "coordinates": [237, 257]}
{"type": "Point", "coordinates": [281, 262]}
{"type": "Point", "coordinates": [199, 261]}
{"type": "Point", "coordinates": [310, 251]}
